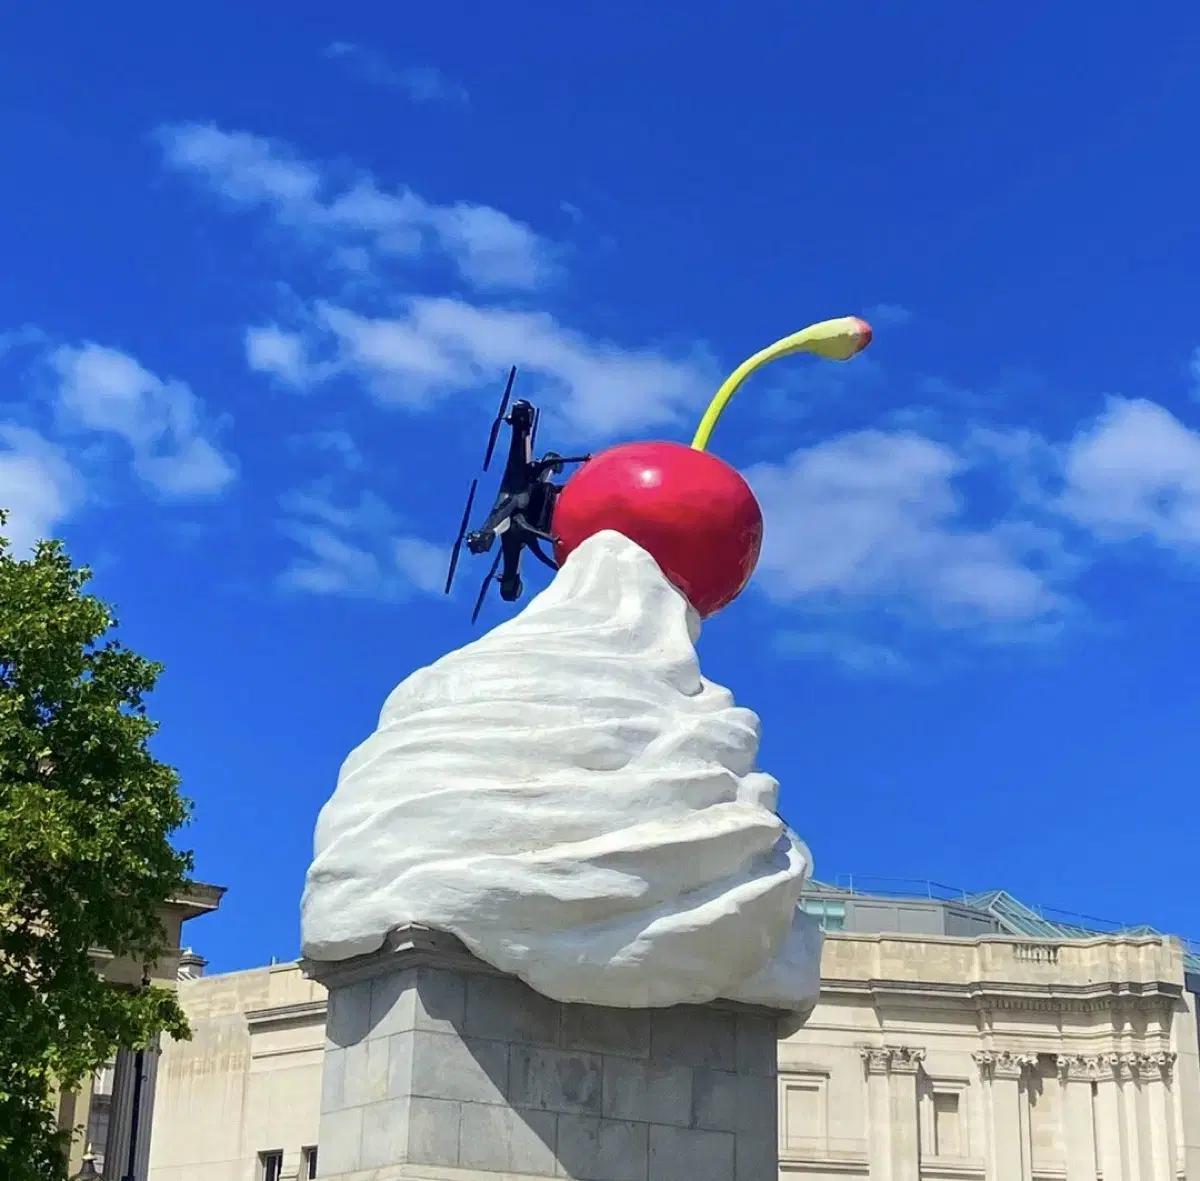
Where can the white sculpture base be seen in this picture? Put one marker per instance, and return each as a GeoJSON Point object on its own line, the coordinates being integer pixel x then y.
{"type": "Point", "coordinates": [439, 1067]}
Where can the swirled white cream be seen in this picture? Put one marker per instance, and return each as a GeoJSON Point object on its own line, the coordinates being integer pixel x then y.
{"type": "Point", "coordinates": [576, 803]}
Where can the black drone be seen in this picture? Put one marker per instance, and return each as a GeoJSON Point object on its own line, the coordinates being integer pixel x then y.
{"type": "Point", "coordinates": [521, 517]}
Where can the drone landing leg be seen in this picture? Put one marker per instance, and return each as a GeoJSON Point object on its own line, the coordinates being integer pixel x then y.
{"type": "Point", "coordinates": [540, 554]}
{"type": "Point", "coordinates": [520, 522]}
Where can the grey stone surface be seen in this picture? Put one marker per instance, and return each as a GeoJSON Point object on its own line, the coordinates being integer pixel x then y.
{"type": "Point", "coordinates": [555, 1080]}
{"type": "Point", "coordinates": [348, 1015]}
{"type": "Point", "coordinates": [690, 1154]}
{"type": "Point", "coordinates": [508, 1140]}
{"type": "Point", "coordinates": [606, 1031]}
{"type": "Point", "coordinates": [756, 1158]}
{"type": "Point", "coordinates": [333, 1078]}
{"type": "Point", "coordinates": [434, 1059]}
{"type": "Point", "coordinates": [637, 1089]}
{"type": "Point", "coordinates": [384, 1133]}
{"type": "Point", "coordinates": [757, 1044]}
{"type": "Point", "coordinates": [365, 1070]}
{"type": "Point", "coordinates": [509, 1010]}
{"type": "Point", "coordinates": [469, 1070]}
{"type": "Point", "coordinates": [602, 1149]}
{"type": "Point", "coordinates": [690, 1035]}
{"type": "Point", "coordinates": [401, 1047]}
{"type": "Point", "coordinates": [433, 1131]}
{"type": "Point", "coordinates": [341, 1140]}
{"type": "Point", "coordinates": [758, 1107]}
{"type": "Point", "coordinates": [715, 1095]}
{"type": "Point", "coordinates": [392, 999]}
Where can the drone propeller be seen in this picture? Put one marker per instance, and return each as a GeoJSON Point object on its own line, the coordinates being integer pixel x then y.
{"type": "Point", "coordinates": [486, 583]}
{"type": "Point", "coordinates": [512, 376]}
{"type": "Point", "coordinates": [462, 532]}
{"type": "Point", "coordinates": [537, 417]}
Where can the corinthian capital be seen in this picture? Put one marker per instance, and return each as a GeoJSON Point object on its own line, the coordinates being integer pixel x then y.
{"type": "Point", "coordinates": [886, 1059]}
{"type": "Point", "coordinates": [1157, 1065]}
{"type": "Point", "coordinates": [1082, 1067]}
{"type": "Point", "coordinates": [1008, 1064]}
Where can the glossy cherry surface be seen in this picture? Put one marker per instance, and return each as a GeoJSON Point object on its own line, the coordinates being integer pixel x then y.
{"type": "Point", "coordinates": [690, 510]}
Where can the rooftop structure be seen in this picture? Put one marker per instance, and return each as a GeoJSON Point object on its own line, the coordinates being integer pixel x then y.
{"type": "Point", "coordinates": [873, 905]}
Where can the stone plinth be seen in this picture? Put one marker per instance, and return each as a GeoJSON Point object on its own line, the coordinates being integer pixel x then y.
{"type": "Point", "coordinates": [436, 1066]}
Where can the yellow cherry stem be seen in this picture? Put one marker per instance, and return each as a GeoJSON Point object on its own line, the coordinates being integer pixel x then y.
{"type": "Point", "coordinates": [835, 340]}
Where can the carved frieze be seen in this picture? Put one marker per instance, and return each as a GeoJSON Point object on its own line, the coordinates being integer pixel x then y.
{"type": "Point", "coordinates": [1123, 1066]}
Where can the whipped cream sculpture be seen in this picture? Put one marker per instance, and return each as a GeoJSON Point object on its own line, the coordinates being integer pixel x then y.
{"type": "Point", "coordinates": [571, 798]}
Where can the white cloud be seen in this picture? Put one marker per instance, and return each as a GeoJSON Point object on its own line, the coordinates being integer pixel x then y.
{"type": "Point", "coordinates": [876, 517]}
{"type": "Point", "coordinates": [356, 551]}
{"type": "Point", "coordinates": [38, 487]}
{"type": "Point", "coordinates": [853, 654]}
{"type": "Point", "coordinates": [270, 349]}
{"type": "Point", "coordinates": [490, 249]}
{"type": "Point", "coordinates": [104, 390]}
{"type": "Point", "coordinates": [333, 441]}
{"type": "Point", "coordinates": [1135, 472]}
{"type": "Point", "coordinates": [423, 84]}
{"type": "Point", "coordinates": [442, 345]}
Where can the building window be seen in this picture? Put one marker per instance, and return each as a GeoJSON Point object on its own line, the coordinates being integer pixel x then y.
{"type": "Point", "coordinates": [832, 915]}
{"type": "Point", "coordinates": [309, 1156]}
{"type": "Point", "coordinates": [270, 1166]}
{"type": "Point", "coordinates": [947, 1130]}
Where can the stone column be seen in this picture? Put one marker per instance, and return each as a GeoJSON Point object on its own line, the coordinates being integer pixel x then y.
{"type": "Point", "coordinates": [893, 1123]}
{"type": "Point", "coordinates": [876, 1061]}
{"type": "Point", "coordinates": [1125, 1070]}
{"type": "Point", "coordinates": [906, 1132]}
{"type": "Point", "coordinates": [434, 1059]}
{"type": "Point", "coordinates": [1154, 1071]}
{"type": "Point", "coordinates": [1110, 1139]}
{"type": "Point", "coordinates": [1077, 1072]}
{"type": "Point", "coordinates": [1009, 1149]}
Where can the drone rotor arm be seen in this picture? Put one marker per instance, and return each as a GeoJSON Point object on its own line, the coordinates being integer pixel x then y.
{"type": "Point", "coordinates": [462, 532]}
{"type": "Point", "coordinates": [491, 576]}
{"type": "Point", "coordinates": [499, 419]}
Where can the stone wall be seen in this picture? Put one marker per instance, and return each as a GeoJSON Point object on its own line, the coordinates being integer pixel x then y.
{"type": "Point", "coordinates": [995, 1059]}
{"type": "Point", "coordinates": [461, 1068]}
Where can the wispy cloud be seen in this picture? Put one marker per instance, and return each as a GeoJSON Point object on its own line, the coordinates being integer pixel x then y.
{"type": "Point", "coordinates": [1135, 473]}
{"type": "Point", "coordinates": [39, 488]}
{"type": "Point", "coordinates": [850, 652]}
{"type": "Point", "coordinates": [877, 518]}
{"type": "Point", "coordinates": [423, 84]}
{"type": "Point", "coordinates": [356, 551]}
{"type": "Point", "coordinates": [490, 249]}
{"type": "Point", "coordinates": [890, 518]}
{"type": "Point", "coordinates": [443, 345]}
{"type": "Point", "coordinates": [107, 391]}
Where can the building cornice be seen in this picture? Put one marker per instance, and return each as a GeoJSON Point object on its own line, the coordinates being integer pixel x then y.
{"type": "Point", "coordinates": [1004, 995]}
{"type": "Point", "coordinates": [276, 1016]}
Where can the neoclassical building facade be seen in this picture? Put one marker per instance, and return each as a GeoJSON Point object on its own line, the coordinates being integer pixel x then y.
{"type": "Point", "coordinates": [955, 1045]}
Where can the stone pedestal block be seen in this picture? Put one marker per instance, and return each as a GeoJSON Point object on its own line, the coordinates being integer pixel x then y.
{"type": "Point", "coordinates": [438, 1067]}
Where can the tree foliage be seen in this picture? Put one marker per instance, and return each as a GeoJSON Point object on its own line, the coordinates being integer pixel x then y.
{"type": "Point", "coordinates": [86, 862]}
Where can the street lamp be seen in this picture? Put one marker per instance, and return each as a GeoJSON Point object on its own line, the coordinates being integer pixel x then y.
{"type": "Point", "coordinates": [87, 1171]}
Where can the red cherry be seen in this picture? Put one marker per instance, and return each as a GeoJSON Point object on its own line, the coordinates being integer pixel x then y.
{"type": "Point", "coordinates": [689, 510]}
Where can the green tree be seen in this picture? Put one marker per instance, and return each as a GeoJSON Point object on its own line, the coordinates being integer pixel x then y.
{"type": "Point", "coordinates": [86, 861]}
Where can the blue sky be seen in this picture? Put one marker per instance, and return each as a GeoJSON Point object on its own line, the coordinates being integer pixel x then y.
{"type": "Point", "coordinates": [263, 273]}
